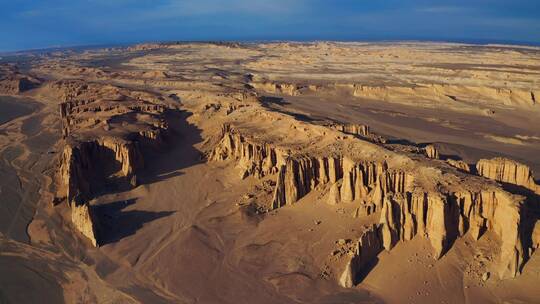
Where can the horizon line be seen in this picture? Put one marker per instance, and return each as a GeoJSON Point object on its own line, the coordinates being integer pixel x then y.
{"type": "Point", "coordinates": [464, 41]}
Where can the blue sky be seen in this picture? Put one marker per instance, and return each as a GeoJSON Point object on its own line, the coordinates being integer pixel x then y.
{"type": "Point", "coordinates": [26, 24]}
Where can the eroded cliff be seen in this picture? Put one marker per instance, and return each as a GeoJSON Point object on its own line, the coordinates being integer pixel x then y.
{"type": "Point", "coordinates": [104, 128]}
{"type": "Point", "coordinates": [508, 171]}
{"type": "Point", "coordinates": [410, 194]}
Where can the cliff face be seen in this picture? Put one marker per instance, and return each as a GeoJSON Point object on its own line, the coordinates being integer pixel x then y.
{"type": "Point", "coordinates": [104, 128]}
{"type": "Point", "coordinates": [405, 206]}
{"type": "Point", "coordinates": [84, 220]}
{"type": "Point", "coordinates": [431, 151]}
{"type": "Point", "coordinates": [459, 164]}
{"type": "Point", "coordinates": [255, 159]}
{"type": "Point", "coordinates": [429, 91]}
{"type": "Point", "coordinates": [83, 161]}
{"type": "Point", "coordinates": [443, 218]}
{"type": "Point", "coordinates": [508, 171]}
{"type": "Point", "coordinates": [355, 129]}
{"type": "Point", "coordinates": [85, 167]}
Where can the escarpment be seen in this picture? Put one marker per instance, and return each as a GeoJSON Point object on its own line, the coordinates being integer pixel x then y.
{"type": "Point", "coordinates": [355, 129]}
{"type": "Point", "coordinates": [508, 171]}
{"type": "Point", "coordinates": [411, 198]}
{"type": "Point", "coordinates": [459, 164]}
{"type": "Point", "coordinates": [442, 218]}
{"type": "Point", "coordinates": [82, 161]}
{"type": "Point", "coordinates": [432, 152]}
{"type": "Point", "coordinates": [86, 168]}
{"type": "Point", "coordinates": [519, 97]}
{"type": "Point", "coordinates": [105, 129]}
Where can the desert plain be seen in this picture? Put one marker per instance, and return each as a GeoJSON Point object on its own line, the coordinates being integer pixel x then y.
{"type": "Point", "coordinates": [286, 172]}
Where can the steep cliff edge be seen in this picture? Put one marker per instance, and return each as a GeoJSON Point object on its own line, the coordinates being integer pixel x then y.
{"type": "Point", "coordinates": [104, 128]}
{"type": "Point", "coordinates": [508, 171]}
{"type": "Point", "coordinates": [412, 195]}
{"type": "Point", "coordinates": [435, 92]}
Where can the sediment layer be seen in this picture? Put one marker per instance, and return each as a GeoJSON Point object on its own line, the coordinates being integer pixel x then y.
{"type": "Point", "coordinates": [411, 196]}
{"type": "Point", "coordinates": [104, 129]}
{"type": "Point", "coordinates": [508, 171]}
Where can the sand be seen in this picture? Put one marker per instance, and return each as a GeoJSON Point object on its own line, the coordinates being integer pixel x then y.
{"type": "Point", "coordinates": [193, 229]}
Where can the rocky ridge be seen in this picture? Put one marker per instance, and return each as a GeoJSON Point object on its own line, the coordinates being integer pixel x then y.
{"type": "Point", "coordinates": [410, 194]}
{"type": "Point", "coordinates": [429, 91]}
{"type": "Point", "coordinates": [105, 125]}
{"type": "Point", "coordinates": [508, 171]}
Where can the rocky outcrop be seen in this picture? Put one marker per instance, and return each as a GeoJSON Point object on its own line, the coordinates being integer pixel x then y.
{"type": "Point", "coordinates": [441, 219]}
{"type": "Point", "coordinates": [407, 206]}
{"type": "Point", "coordinates": [431, 151]}
{"type": "Point", "coordinates": [104, 128]}
{"type": "Point", "coordinates": [354, 129]}
{"type": "Point", "coordinates": [508, 171]}
{"type": "Point", "coordinates": [85, 168]}
{"type": "Point", "coordinates": [83, 163]}
{"type": "Point", "coordinates": [276, 88]}
{"type": "Point", "coordinates": [13, 82]}
{"type": "Point", "coordinates": [368, 247]}
{"type": "Point", "coordinates": [88, 106]}
{"type": "Point", "coordinates": [459, 164]}
{"type": "Point", "coordinates": [254, 158]}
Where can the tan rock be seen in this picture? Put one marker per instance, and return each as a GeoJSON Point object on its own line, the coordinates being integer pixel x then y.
{"type": "Point", "coordinates": [334, 195]}
{"type": "Point", "coordinates": [82, 219]}
{"type": "Point", "coordinates": [431, 151]}
{"type": "Point", "coordinates": [507, 171]}
{"type": "Point", "coordinates": [459, 164]}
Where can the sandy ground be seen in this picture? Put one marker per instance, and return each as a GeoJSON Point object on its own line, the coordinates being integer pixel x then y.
{"type": "Point", "coordinates": [25, 143]}
{"type": "Point", "coordinates": [511, 132]}
{"type": "Point", "coordinates": [189, 232]}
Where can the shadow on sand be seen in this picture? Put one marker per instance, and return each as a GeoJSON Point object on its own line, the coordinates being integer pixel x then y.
{"type": "Point", "coordinates": [179, 152]}
{"type": "Point", "coordinates": [161, 163]}
{"type": "Point", "coordinates": [115, 223]}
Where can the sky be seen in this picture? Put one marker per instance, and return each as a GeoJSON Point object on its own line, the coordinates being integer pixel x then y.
{"type": "Point", "coordinates": [32, 24]}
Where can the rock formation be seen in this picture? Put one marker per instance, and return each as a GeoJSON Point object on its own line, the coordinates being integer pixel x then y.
{"type": "Point", "coordinates": [459, 164]}
{"type": "Point", "coordinates": [431, 151]}
{"type": "Point", "coordinates": [13, 82]}
{"type": "Point", "coordinates": [368, 247]}
{"type": "Point", "coordinates": [409, 205]}
{"type": "Point", "coordinates": [434, 92]}
{"type": "Point", "coordinates": [104, 128]}
{"type": "Point", "coordinates": [508, 171]}
{"type": "Point", "coordinates": [355, 129]}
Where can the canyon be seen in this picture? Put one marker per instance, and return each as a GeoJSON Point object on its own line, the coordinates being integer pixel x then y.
{"type": "Point", "coordinates": [277, 173]}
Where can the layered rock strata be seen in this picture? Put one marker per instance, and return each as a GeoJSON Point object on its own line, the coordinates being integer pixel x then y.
{"type": "Point", "coordinates": [508, 171]}
{"type": "Point", "coordinates": [408, 204]}
{"type": "Point", "coordinates": [104, 128]}
{"type": "Point", "coordinates": [431, 151]}
{"type": "Point", "coordinates": [429, 91]}
{"type": "Point", "coordinates": [354, 129]}
{"type": "Point", "coordinates": [459, 164]}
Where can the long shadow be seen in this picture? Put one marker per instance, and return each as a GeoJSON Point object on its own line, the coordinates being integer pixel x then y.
{"type": "Point", "coordinates": [116, 224]}
{"type": "Point", "coordinates": [178, 153]}
{"type": "Point", "coordinates": [276, 103]}
{"type": "Point", "coordinates": [365, 270]}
